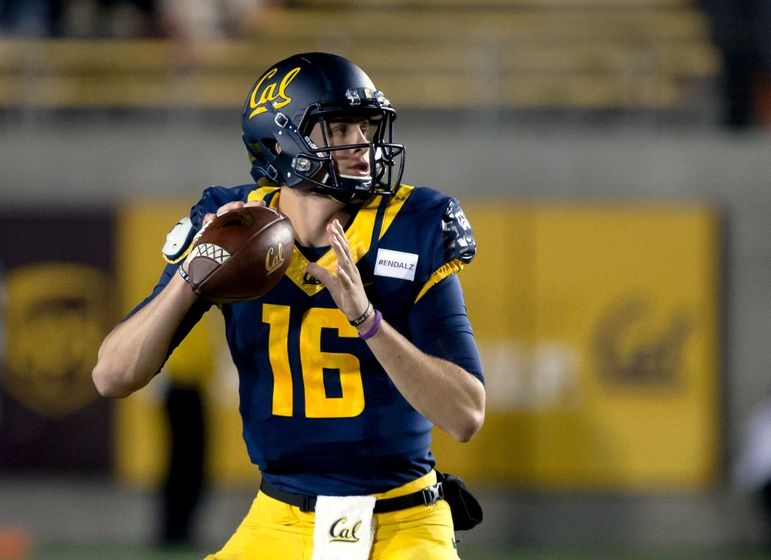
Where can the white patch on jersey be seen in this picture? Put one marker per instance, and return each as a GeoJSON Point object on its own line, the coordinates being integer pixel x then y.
{"type": "Point", "coordinates": [396, 264]}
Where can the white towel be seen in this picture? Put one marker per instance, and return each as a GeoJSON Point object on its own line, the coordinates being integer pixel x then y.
{"type": "Point", "coordinates": [343, 528]}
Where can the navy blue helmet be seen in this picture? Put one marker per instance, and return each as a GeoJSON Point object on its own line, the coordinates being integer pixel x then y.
{"type": "Point", "coordinates": [291, 97]}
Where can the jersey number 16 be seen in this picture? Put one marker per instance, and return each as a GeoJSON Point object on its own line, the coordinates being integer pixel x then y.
{"type": "Point", "coordinates": [313, 362]}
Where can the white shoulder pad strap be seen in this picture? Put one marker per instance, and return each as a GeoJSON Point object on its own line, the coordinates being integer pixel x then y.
{"type": "Point", "coordinates": [178, 241]}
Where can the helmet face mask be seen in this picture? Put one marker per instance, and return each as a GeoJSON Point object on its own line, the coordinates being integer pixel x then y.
{"type": "Point", "coordinates": [305, 96]}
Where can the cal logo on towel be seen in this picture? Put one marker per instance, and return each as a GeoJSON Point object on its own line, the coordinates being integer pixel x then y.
{"type": "Point", "coordinates": [342, 530]}
{"type": "Point", "coordinates": [344, 527]}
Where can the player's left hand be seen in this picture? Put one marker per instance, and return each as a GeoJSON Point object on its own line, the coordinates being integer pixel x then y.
{"type": "Point", "coordinates": [344, 283]}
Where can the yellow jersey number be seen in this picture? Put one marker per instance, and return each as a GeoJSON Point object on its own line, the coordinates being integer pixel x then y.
{"type": "Point", "coordinates": [313, 362]}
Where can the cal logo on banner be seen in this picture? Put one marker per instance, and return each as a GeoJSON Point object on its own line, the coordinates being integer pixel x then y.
{"type": "Point", "coordinates": [597, 325]}
{"type": "Point", "coordinates": [55, 311]}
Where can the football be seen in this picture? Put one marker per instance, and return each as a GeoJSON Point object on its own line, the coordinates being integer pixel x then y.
{"type": "Point", "coordinates": [240, 255]}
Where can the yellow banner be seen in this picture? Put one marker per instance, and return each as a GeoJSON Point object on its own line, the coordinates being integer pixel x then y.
{"type": "Point", "coordinates": [598, 331]}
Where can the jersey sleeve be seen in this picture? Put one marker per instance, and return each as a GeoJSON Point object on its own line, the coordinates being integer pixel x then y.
{"type": "Point", "coordinates": [440, 327]}
{"type": "Point", "coordinates": [458, 243]}
{"type": "Point", "coordinates": [452, 243]}
{"type": "Point", "coordinates": [438, 322]}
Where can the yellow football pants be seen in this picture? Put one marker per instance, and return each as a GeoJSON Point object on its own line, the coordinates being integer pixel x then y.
{"type": "Point", "coordinates": [273, 530]}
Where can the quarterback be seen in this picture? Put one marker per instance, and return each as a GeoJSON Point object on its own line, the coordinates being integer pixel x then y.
{"type": "Point", "coordinates": [362, 347]}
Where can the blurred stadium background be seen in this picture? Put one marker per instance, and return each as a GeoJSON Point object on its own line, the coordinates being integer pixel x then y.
{"type": "Point", "coordinates": [613, 156]}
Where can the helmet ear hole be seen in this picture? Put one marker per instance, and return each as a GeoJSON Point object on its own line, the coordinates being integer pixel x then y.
{"type": "Point", "coordinates": [257, 149]}
{"type": "Point", "coordinates": [272, 145]}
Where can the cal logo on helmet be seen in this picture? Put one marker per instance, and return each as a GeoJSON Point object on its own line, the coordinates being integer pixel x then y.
{"type": "Point", "coordinates": [267, 90]}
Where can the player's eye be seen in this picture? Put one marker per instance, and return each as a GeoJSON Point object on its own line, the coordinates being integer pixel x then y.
{"type": "Point", "coordinates": [346, 131]}
{"type": "Point", "coordinates": [338, 130]}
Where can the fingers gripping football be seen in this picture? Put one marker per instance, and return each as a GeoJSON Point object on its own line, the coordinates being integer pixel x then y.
{"type": "Point", "coordinates": [240, 254]}
{"type": "Point", "coordinates": [209, 217]}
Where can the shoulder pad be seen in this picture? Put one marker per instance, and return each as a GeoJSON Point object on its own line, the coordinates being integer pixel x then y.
{"type": "Point", "coordinates": [459, 242]}
{"type": "Point", "coordinates": [178, 240]}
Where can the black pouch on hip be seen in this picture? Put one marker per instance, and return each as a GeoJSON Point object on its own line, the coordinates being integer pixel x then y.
{"type": "Point", "coordinates": [466, 511]}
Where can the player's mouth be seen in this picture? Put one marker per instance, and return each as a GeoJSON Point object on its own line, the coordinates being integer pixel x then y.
{"type": "Point", "coordinates": [356, 170]}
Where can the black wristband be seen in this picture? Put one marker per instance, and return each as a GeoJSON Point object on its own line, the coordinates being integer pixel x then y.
{"type": "Point", "coordinates": [363, 317]}
{"type": "Point", "coordinates": [183, 273]}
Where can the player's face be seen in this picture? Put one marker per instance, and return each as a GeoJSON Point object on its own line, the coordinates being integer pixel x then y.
{"type": "Point", "coordinates": [353, 162]}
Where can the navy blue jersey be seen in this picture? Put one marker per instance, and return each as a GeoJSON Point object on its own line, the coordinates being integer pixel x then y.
{"type": "Point", "coordinates": [320, 415]}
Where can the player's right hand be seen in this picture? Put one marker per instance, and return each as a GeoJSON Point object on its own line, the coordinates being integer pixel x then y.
{"type": "Point", "coordinates": [236, 204]}
{"type": "Point", "coordinates": [209, 216]}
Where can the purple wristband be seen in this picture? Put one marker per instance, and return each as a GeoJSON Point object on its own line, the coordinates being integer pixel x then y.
{"type": "Point", "coordinates": [373, 329]}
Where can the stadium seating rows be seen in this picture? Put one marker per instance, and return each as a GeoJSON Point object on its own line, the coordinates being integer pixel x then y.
{"type": "Point", "coordinates": [447, 54]}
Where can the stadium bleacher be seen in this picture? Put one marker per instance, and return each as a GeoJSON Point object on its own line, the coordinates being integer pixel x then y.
{"type": "Point", "coordinates": [448, 54]}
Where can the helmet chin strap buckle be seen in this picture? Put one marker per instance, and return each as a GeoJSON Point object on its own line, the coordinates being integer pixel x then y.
{"type": "Point", "coordinates": [272, 173]}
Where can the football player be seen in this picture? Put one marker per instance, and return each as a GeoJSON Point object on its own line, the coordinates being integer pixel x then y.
{"type": "Point", "coordinates": [363, 346]}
